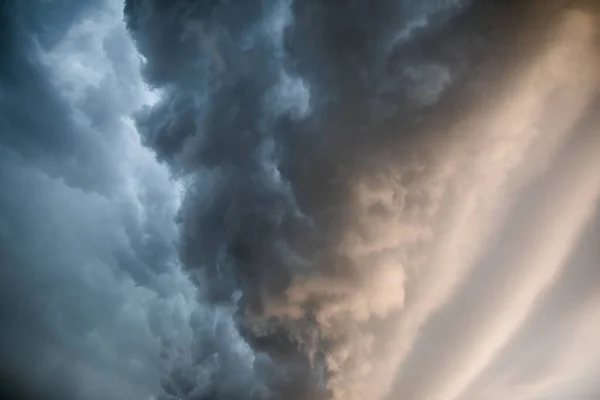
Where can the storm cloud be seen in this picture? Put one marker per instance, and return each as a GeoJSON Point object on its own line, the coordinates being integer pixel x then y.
{"type": "Point", "coordinates": [285, 199]}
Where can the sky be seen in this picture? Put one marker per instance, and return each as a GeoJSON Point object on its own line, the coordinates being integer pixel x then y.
{"type": "Point", "coordinates": [299, 199]}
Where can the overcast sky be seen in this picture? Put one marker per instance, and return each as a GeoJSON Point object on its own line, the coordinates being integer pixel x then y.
{"type": "Point", "coordinates": [299, 200]}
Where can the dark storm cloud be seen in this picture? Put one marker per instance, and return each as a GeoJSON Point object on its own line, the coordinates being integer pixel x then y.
{"type": "Point", "coordinates": [272, 107]}
{"type": "Point", "coordinates": [340, 165]}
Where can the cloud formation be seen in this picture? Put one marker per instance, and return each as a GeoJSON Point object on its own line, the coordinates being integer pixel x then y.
{"type": "Point", "coordinates": [284, 199]}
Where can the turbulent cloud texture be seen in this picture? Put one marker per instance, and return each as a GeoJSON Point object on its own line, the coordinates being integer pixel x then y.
{"type": "Point", "coordinates": [285, 199]}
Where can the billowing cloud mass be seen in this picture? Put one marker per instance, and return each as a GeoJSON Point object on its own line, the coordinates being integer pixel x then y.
{"type": "Point", "coordinates": [299, 199]}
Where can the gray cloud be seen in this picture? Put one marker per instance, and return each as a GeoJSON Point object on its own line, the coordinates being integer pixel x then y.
{"type": "Point", "coordinates": [291, 199]}
{"type": "Point", "coordinates": [284, 230]}
{"type": "Point", "coordinates": [93, 301]}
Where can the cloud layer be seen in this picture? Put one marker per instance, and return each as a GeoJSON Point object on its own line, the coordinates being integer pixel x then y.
{"type": "Point", "coordinates": [283, 199]}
